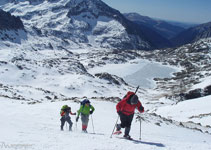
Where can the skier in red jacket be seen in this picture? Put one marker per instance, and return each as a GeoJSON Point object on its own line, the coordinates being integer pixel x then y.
{"type": "Point", "coordinates": [126, 108]}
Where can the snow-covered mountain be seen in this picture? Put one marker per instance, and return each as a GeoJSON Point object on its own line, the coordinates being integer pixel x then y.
{"type": "Point", "coordinates": [72, 24]}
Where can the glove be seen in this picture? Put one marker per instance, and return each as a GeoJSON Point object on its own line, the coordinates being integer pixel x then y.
{"type": "Point", "coordinates": [77, 119]}
{"type": "Point", "coordinates": [91, 111]}
{"type": "Point", "coordinates": [141, 108]}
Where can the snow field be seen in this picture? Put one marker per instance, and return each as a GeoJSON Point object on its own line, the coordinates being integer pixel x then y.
{"type": "Point", "coordinates": [39, 126]}
{"type": "Point", "coordinates": [195, 110]}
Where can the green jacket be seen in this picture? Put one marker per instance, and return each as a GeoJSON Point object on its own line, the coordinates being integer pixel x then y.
{"type": "Point", "coordinates": [84, 109]}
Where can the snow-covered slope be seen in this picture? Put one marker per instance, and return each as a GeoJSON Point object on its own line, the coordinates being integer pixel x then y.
{"type": "Point", "coordinates": [37, 127]}
{"type": "Point", "coordinates": [49, 78]}
{"type": "Point", "coordinates": [196, 110]}
{"type": "Point", "coordinates": [58, 71]}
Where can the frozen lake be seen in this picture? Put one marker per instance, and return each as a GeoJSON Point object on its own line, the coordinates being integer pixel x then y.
{"type": "Point", "coordinates": [144, 76]}
{"type": "Point", "coordinates": [138, 72]}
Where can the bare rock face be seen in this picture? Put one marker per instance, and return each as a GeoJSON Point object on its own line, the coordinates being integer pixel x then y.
{"type": "Point", "coordinates": [9, 22]}
{"type": "Point", "coordinates": [207, 90]}
{"type": "Point", "coordinates": [111, 78]}
{"type": "Point", "coordinates": [11, 28]}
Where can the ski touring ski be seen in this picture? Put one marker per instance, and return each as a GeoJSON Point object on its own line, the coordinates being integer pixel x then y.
{"type": "Point", "coordinates": [117, 133]}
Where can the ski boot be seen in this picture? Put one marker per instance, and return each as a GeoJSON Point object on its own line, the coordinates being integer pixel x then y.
{"type": "Point", "coordinates": [84, 131]}
{"type": "Point", "coordinates": [128, 137]}
{"type": "Point", "coordinates": [118, 129]}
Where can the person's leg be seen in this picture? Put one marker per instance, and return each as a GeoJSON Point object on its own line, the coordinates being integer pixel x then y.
{"type": "Point", "coordinates": [70, 123]}
{"type": "Point", "coordinates": [62, 122]}
{"type": "Point", "coordinates": [122, 124]}
{"type": "Point", "coordinates": [85, 120]}
{"type": "Point", "coordinates": [123, 119]}
{"type": "Point", "coordinates": [128, 122]}
{"type": "Point", "coordinates": [118, 127]}
{"type": "Point", "coordinates": [127, 131]}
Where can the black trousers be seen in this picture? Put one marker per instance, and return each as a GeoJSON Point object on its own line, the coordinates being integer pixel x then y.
{"type": "Point", "coordinates": [126, 120]}
{"type": "Point", "coordinates": [63, 119]}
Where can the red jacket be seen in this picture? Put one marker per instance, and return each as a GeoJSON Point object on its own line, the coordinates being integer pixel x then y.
{"type": "Point", "coordinates": [126, 108]}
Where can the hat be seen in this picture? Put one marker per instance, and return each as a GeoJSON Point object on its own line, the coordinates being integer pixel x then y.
{"type": "Point", "coordinates": [87, 101]}
{"type": "Point", "coordinates": [134, 99]}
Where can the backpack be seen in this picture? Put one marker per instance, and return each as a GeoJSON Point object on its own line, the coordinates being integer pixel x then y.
{"type": "Point", "coordinates": [128, 93]}
{"type": "Point", "coordinates": [85, 101]}
{"type": "Point", "coordinates": [64, 107]}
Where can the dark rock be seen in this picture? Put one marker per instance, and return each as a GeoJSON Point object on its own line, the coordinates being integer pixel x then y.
{"type": "Point", "coordinates": [193, 94]}
{"type": "Point", "coordinates": [207, 90]}
{"type": "Point", "coordinates": [48, 97]}
{"type": "Point", "coordinates": [9, 22]}
{"type": "Point", "coordinates": [111, 78]}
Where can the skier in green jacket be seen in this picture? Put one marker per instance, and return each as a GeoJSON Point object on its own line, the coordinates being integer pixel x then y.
{"type": "Point", "coordinates": [85, 110]}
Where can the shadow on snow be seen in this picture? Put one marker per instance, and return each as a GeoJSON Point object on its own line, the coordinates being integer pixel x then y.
{"type": "Point", "coordinates": [148, 143]}
{"type": "Point", "coordinates": [144, 142]}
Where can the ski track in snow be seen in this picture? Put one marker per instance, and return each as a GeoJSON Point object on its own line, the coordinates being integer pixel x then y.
{"type": "Point", "coordinates": [38, 127]}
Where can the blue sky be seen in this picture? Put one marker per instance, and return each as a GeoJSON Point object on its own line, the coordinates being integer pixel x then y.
{"type": "Point", "coordinates": [193, 11]}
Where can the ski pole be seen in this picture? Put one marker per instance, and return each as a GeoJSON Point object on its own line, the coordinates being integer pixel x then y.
{"type": "Point", "coordinates": [114, 126]}
{"type": "Point", "coordinates": [92, 124]}
{"type": "Point", "coordinates": [76, 124]}
{"type": "Point", "coordinates": [136, 89]}
{"type": "Point", "coordinates": [140, 128]}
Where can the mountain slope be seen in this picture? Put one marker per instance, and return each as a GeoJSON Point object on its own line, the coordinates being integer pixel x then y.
{"type": "Point", "coordinates": [155, 38]}
{"type": "Point", "coordinates": [95, 14]}
{"type": "Point", "coordinates": [11, 28]}
{"type": "Point", "coordinates": [193, 34]}
{"type": "Point", "coordinates": [164, 28]}
{"type": "Point", "coordinates": [68, 24]}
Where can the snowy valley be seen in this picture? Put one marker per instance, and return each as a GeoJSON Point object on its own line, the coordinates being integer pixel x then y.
{"type": "Point", "coordinates": [66, 52]}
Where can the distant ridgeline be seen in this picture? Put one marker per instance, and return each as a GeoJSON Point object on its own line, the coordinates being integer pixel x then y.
{"type": "Point", "coordinates": [192, 34]}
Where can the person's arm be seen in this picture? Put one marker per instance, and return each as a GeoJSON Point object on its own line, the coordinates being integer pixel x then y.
{"type": "Point", "coordinates": [72, 113]}
{"type": "Point", "coordinates": [79, 111]}
{"type": "Point", "coordinates": [120, 105]}
{"type": "Point", "coordinates": [62, 113]}
{"type": "Point", "coordinates": [92, 109]}
{"type": "Point", "coordinates": [140, 107]}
